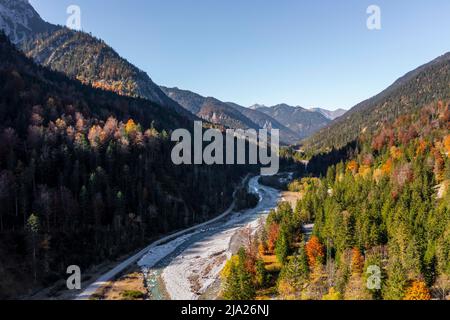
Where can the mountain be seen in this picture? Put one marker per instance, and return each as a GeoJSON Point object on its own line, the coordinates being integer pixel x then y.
{"type": "Point", "coordinates": [228, 114]}
{"type": "Point", "coordinates": [86, 175]}
{"type": "Point", "coordinates": [330, 115]}
{"type": "Point", "coordinates": [210, 109]}
{"type": "Point", "coordinates": [264, 121]}
{"type": "Point", "coordinates": [20, 21]}
{"type": "Point", "coordinates": [411, 92]}
{"type": "Point", "coordinates": [77, 54]}
{"type": "Point", "coordinates": [299, 120]}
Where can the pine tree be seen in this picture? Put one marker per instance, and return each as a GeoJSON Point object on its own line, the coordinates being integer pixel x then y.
{"type": "Point", "coordinates": [294, 275]}
{"type": "Point", "coordinates": [396, 282]}
{"type": "Point", "coordinates": [239, 284]}
{"type": "Point", "coordinates": [247, 290]}
{"type": "Point", "coordinates": [282, 246]}
{"type": "Point", "coordinates": [261, 273]}
{"type": "Point", "coordinates": [33, 228]}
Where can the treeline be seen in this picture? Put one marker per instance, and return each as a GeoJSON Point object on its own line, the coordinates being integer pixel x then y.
{"type": "Point", "coordinates": [86, 176]}
{"type": "Point", "coordinates": [381, 219]}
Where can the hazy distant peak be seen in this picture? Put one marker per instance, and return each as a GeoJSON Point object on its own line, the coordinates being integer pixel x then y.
{"type": "Point", "coordinates": [329, 113]}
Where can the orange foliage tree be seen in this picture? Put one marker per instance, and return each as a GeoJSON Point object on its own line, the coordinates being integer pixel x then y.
{"type": "Point", "coordinates": [439, 166]}
{"type": "Point", "coordinates": [353, 166]}
{"type": "Point", "coordinates": [357, 261]}
{"type": "Point", "coordinates": [421, 148]}
{"type": "Point", "coordinates": [418, 291]}
{"type": "Point", "coordinates": [273, 234]}
{"type": "Point", "coordinates": [447, 144]}
{"type": "Point", "coordinates": [387, 167]}
{"type": "Point", "coordinates": [314, 251]}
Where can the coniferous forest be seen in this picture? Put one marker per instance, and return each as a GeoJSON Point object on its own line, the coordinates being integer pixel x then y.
{"type": "Point", "coordinates": [86, 175]}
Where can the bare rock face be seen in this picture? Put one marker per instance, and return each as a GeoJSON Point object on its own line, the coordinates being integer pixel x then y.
{"type": "Point", "coordinates": [20, 22]}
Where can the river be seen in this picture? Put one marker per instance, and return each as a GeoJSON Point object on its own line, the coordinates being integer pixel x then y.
{"type": "Point", "coordinates": [188, 267]}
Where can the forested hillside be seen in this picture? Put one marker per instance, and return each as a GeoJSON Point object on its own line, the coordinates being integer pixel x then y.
{"type": "Point", "coordinates": [90, 60]}
{"type": "Point", "coordinates": [86, 175]}
{"type": "Point", "coordinates": [424, 85]}
{"type": "Point", "coordinates": [381, 222]}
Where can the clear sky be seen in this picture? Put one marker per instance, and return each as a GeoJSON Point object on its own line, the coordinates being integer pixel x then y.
{"type": "Point", "coordinates": [309, 53]}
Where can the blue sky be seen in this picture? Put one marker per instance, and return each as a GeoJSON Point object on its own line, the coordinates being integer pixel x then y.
{"type": "Point", "coordinates": [309, 53]}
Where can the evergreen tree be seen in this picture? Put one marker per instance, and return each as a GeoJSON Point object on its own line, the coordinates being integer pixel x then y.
{"type": "Point", "coordinates": [395, 286]}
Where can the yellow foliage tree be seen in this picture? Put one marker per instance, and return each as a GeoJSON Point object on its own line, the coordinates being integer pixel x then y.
{"type": "Point", "coordinates": [353, 166]}
{"type": "Point", "coordinates": [396, 153]}
{"type": "Point", "coordinates": [233, 261]}
{"type": "Point", "coordinates": [130, 127]}
{"type": "Point", "coordinates": [286, 290]}
{"type": "Point", "coordinates": [332, 295]}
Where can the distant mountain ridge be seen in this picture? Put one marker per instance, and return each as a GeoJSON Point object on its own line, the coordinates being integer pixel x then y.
{"type": "Point", "coordinates": [265, 121]}
{"type": "Point", "coordinates": [301, 121]}
{"type": "Point", "coordinates": [77, 54]}
{"type": "Point", "coordinates": [209, 109]}
{"type": "Point", "coordinates": [236, 116]}
{"type": "Point", "coordinates": [331, 115]}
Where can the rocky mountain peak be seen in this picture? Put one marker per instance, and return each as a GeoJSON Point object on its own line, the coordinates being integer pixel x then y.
{"type": "Point", "coordinates": [19, 21]}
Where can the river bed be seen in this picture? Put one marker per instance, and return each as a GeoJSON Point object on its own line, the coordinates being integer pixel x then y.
{"type": "Point", "coordinates": [188, 267]}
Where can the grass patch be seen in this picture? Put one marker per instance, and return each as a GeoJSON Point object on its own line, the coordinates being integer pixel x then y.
{"type": "Point", "coordinates": [267, 294]}
{"type": "Point", "coordinates": [271, 263]}
{"type": "Point", "coordinates": [133, 295]}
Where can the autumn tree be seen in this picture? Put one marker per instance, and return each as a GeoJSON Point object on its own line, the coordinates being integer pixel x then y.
{"type": "Point", "coordinates": [447, 144]}
{"type": "Point", "coordinates": [314, 251]}
{"type": "Point", "coordinates": [332, 295]}
{"type": "Point", "coordinates": [357, 265]}
{"type": "Point", "coordinates": [418, 290]}
{"type": "Point", "coordinates": [272, 237]}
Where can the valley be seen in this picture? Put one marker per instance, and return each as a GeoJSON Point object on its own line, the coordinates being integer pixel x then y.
{"type": "Point", "coordinates": [187, 265]}
{"type": "Point", "coordinates": [160, 193]}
